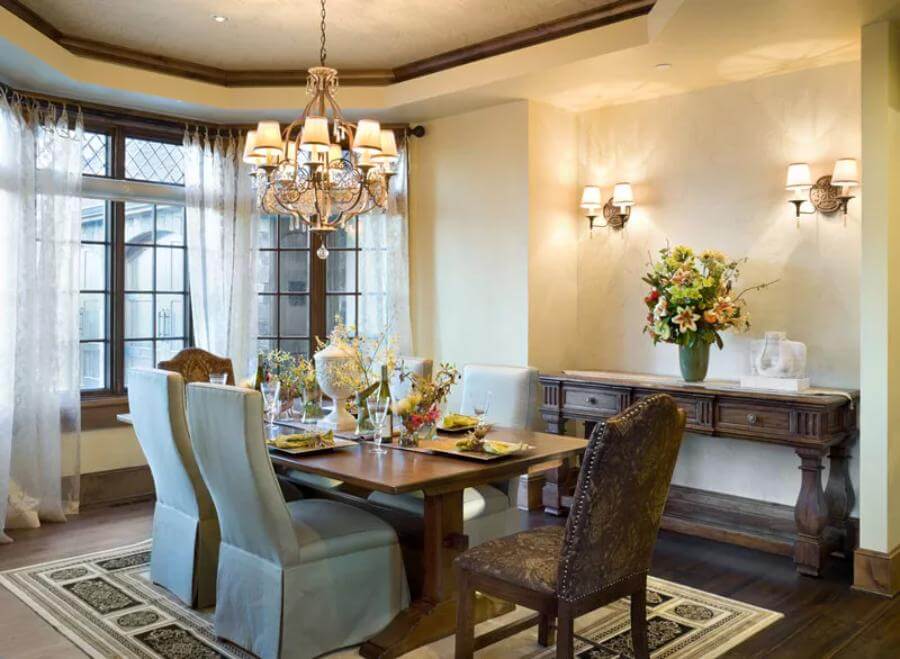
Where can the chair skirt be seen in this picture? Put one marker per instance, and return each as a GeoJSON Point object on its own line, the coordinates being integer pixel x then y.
{"type": "Point", "coordinates": [311, 608]}
{"type": "Point", "coordinates": [185, 555]}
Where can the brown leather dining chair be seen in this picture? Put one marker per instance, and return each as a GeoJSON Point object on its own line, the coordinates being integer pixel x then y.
{"type": "Point", "coordinates": [602, 554]}
{"type": "Point", "coordinates": [196, 365]}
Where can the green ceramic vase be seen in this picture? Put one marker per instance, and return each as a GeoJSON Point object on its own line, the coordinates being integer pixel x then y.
{"type": "Point", "coordinates": [694, 361]}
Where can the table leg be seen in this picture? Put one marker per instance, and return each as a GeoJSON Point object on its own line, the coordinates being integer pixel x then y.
{"type": "Point", "coordinates": [811, 514]}
{"type": "Point", "coordinates": [558, 488]}
{"type": "Point", "coordinates": [433, 615]}
{"type": "Point", "coordinates": [840, 498]}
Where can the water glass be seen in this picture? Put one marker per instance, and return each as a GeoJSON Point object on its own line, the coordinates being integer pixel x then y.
{"type": "Point", "coordinates": [218, 378]}
{"type": "Point", "coordinates": [270, 392]}
{"type": "Point", "coordinates": [482, 405]}
{"type": "Point", "coordinates": [379, 406]}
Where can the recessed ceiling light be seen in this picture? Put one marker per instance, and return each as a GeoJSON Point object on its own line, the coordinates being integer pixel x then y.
{"type": "Point", "coordinates": [663, 66]}
{"type": "Point", "coordinates": [220, 19]}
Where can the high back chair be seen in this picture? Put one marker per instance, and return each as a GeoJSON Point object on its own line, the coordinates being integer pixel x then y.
{"type": "Point", "coordinates": [185, 527]}
{"type": "Point", "coordinates": [489, 511]}
{"type": "Point", "coordinates": [196, 365]}
{"type": "Point", "coordinates": [295, 580]}
{"type": "Point", "coordinates": [604, 551]}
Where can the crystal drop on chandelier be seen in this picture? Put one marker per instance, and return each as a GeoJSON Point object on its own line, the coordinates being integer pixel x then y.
{"type": "Point", "coordinates": [322, 252]}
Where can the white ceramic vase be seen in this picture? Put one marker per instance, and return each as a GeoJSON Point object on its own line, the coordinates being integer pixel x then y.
{"type": "Point", "coordinates": [327, 360]}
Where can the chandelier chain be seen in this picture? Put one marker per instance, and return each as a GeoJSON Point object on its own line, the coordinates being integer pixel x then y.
{"type": "Point", "coordinates": [322, 51]}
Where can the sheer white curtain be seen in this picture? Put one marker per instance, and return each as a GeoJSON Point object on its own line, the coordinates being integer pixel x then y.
{"type": "Point", "coordinates": [384, 264]}
{"type": "Point", "coordinates": [40, 399]}
{"type": "Point", "coordinates": [221, 241]}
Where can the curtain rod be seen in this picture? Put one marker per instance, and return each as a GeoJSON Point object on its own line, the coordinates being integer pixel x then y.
{"type": "Point", "coordinates": [172, 123]}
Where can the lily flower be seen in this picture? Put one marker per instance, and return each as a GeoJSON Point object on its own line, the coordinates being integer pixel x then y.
{"type": "Point", "coordinates": [686, 319]}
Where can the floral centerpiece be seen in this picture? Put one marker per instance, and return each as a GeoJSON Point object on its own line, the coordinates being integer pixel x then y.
{"type": "Point", "coordinates": [421, 409]}
{"type": "Point", "coordinates": [348, 366]}
{"type": "Point", "coordinates": [297, 377]}
{"type": "Point", "coordinates": [692, 301]}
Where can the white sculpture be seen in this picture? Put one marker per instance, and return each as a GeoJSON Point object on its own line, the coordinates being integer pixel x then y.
{"type": "Point", "coordinates": [777, 363]}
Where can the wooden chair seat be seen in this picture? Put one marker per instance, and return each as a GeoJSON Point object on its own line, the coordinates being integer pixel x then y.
{"type": "Point", "coordinates": [604, 551]}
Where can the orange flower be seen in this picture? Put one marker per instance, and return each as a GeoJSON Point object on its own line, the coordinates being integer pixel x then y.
{"type": "Point", "coordinates": [710, 317]}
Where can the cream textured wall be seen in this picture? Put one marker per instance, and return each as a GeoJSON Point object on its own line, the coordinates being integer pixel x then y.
{"type": "Point", "coordinates": [880, 304]}
{"type": "Point", "coordinates": [552, 238]}
{"type": "Point", "coordinates": [708, 170]}
{"type": "Point", "coordinates": [469, 237]}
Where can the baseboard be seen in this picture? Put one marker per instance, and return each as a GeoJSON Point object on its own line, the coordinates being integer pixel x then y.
{"type": "Point", "coordinates": [116, 486]}
{"type": "Point", "coordinates": [877, 572]}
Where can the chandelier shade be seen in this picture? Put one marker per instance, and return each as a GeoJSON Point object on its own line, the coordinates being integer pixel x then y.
{"type": "Point", "coordinates": [321, 169]}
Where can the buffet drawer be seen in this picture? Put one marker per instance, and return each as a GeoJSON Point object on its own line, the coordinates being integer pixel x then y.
{"type": "Point", "coordinates": [697, 410]}
{"type": "Point", "coordinates": [595, 401]}
{"type": "Point", "coordinates": [756, 419]}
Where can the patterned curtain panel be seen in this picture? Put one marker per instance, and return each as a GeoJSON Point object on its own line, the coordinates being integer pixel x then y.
{"type": "Point", "coordinates": [384, 264]}
{"type": "Point", "coordinates": [40, 224]}
{"type": "Point", "coordinates": [221, 241]}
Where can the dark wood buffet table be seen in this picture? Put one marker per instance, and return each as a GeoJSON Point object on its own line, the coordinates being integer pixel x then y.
{"type": "Point", "coordinates": [816, 424]}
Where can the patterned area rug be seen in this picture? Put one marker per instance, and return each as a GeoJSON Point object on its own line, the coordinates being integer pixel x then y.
{"type": "Point", "coordinates": [105, 604]}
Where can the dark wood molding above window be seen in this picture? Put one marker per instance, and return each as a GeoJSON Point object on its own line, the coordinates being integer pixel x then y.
{"type": "Point", "coordinates": [606, 12]}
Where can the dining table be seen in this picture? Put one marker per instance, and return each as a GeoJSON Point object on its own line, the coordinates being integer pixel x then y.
{"type": "Point", "coordinates": [441, 479]}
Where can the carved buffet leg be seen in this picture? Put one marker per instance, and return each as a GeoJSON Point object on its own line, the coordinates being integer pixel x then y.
{"type": "Point", "coordinates": [840, 497]}
{"type": "Point", "coordinates": [811, 514]}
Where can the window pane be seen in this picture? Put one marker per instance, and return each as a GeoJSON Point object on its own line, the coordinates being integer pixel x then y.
{"type": "Point", "coordinates": [265, 345]}
{"type": "Point", "coordinates": [267, 319]}
{"type": "Point", "coordinates": [294, 311]}
{"type": "Point", "coordinates": [154, 161]}
{"type": "Point", "coordinates": [138, 223]}
{"type": "Point", "coordinates": [93, 267]}
{"type": "Point", "coordinates": [168, 349]}
{"type": "Point", "coordinates": [299, 237]}
{"type": "Point", "coordinates": [265, 234]}
{"type": "Point", "coordinates": [93, 365]}
{"type": "Point", "coordinates": [169, 269]}
{"type": "Point", "coordinates": [294, 272]}
{"type": "Point", "coordinates": [170, 315]}
{"type": "Point", "coordinates": [265, 272]}
{"type": "Point", "coordinates": [339, 305]}
{"type": "Point", "coordinates": [92, 316]}
{"type": "Point", "coordinates": [170, 225]}
{"type": "Point", "coordinates": [341, 272]}
{"type": "Point", "coordinates": [138, 354]}
{"type": "Point", "coordinates": [296, 346]}
{"type": "Point", "coordinates": [95, 154]}
{"type": "Point", "coordinates": [93, 219]}
{"type": "Point", "coordinates": [138, 268]}
{"type": "Point", "coordinates": [138, 315]}
{"type": "Point", "coordinates": [344, 238]}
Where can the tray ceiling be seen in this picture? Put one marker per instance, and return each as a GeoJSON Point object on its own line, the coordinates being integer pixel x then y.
{"type": "Point", "coordinates": [284, 34]}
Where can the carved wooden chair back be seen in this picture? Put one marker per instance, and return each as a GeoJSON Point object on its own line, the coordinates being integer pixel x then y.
{"type": "Point", "coordinates": [619, 498]}
{"type": "Point", "coordinates": [196, 365]}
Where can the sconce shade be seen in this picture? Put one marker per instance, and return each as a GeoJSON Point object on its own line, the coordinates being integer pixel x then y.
{"type": "Point", "coordinates": [268, 138]}
{"type": "Point", "coordinates": [249, 145]}
{"type": "Point", "coordinates": [388, 147]}
{"type": "Point", "coordinates": [623, 195]}
{"type": "Point", "coordinates": [591, 197]}
{"type": "Point", "coordinates": [314, 136]}
{"type": "Point", "coordinates": [846, 173]}
{"type": "Point", "coordinates": [335, 153]}
{"type": "Point", "coordinates": [798, 176]}
{"type": "Point", "coordinates": [368, 137]}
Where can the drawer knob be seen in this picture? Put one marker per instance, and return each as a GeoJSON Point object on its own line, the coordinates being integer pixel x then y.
{"type": "Point", "coordinates": [592, 400]}
{"type": "Point", "coordinates": [752, 419]}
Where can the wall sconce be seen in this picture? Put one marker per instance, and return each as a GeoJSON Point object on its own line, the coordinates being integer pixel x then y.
{"type": "Point", "coordinates": [828, 194]}
{"type": "Point", "coordinates": [616, 211]}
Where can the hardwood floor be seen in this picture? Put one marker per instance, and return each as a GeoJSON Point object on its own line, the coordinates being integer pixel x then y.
{"type": "Point", "coordinates": [823, 617]}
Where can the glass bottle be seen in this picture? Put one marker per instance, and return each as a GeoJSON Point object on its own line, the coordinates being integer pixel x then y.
{"type": "Point", "coordinates": [384, 391]}
{"type": "Point", "coordinates": [260, 371]}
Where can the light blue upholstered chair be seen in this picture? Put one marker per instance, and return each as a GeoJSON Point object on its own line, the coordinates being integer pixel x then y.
{"type": "Point", "coordinates": [415, 365]}
{"type": "Point", "coordinates": [185, 528]}
{"type": "Point", "coordinates": [489, 511]}
{"type": "Point", "coordinates": [298, 579]}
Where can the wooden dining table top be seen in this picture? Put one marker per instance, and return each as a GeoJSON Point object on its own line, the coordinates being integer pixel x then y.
{"type": "Point", "coordinates": [398, 471]}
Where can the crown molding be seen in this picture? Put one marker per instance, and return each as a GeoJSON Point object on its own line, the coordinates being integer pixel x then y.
{"type": "Point", "coordinates": [605, 13]}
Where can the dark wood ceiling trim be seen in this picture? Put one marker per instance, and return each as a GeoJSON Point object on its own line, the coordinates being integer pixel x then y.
{"type": "Point", "coordinates": [606, 13]}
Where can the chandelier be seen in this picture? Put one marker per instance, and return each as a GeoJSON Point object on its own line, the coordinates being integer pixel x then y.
{"type": "Point", "coordinates": [321, 170]}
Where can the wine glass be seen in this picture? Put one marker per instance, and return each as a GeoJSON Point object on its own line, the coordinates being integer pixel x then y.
{"type": "Point", "coordinates": [218, 378]}
{"type": "Point", "coordinates": [270, 392]}
{"type": "Point", "coordinates": [482, 405]}
{"type": "Point", "coordinates": [379, 406]}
